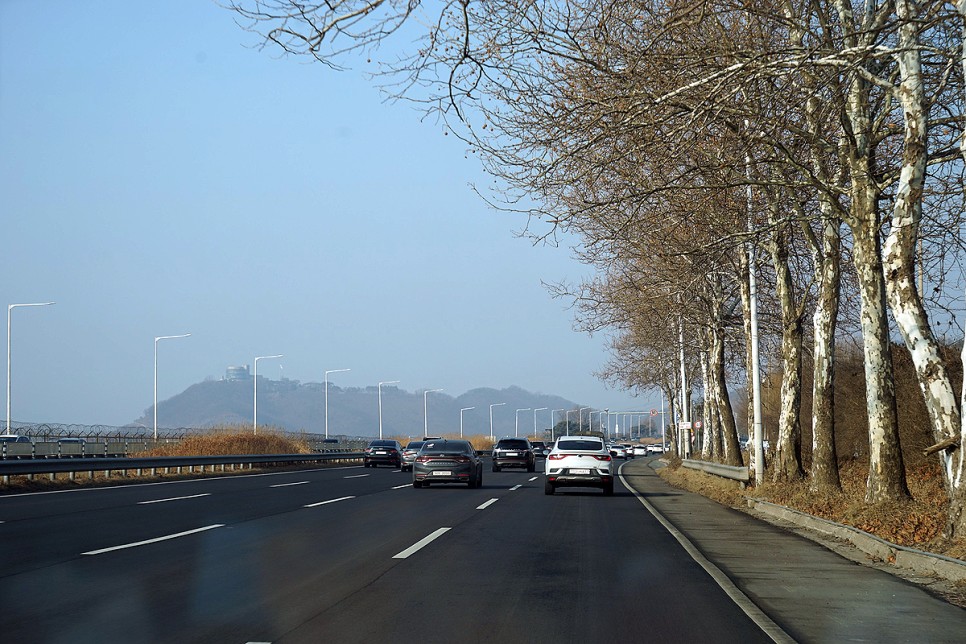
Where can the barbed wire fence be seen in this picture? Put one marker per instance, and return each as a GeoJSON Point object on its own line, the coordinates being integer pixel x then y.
{"type": "Point", "coordinates": [52, 432]}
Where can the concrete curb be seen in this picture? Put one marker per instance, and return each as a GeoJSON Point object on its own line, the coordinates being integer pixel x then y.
{"type": "Point", "coordinates": [899, 556]}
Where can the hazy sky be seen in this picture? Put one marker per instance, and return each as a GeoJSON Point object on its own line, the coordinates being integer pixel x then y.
{"type": "Point", "coordinates": [160, 176]}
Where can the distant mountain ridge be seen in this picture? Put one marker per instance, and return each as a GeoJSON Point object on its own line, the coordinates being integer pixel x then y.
{"type": "Point", "coordinates": [354, 411]}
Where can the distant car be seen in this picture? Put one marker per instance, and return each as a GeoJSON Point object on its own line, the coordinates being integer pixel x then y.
{"type": "Point", "coordinates": [72, 441]}
{"type": "Point", "coordinates": [656, 448]}
{"type": "Point", "coordinates": [579, 461]}
{"type": "Point", "coordinates": [14, 438]}
{"type": "Point", "coordinates": [447, 461]}
{"type": "Point", "coordinates": [513, 452]}
{"type": "Point", "coordinates": [617, 451]}
{"type": "Point", "coordinates": [628, 450]}
{"type": "Point", "coordinates": [409, 454]}
{"type": "Point", "coordinates": [640, 450]}
{"type": "Point", "coordinates": [383, 452]}
{"type": "Point", "coordinates": [540, 448]}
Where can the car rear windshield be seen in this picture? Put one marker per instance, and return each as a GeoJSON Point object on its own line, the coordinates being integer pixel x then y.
{"type": "Point", "coordinates": [579, 445]}
{"type": "Point", "coordinates": [415, 445]}
{"type": "Point", "coordinates": [512, 444]}
{"type": "Point", "coordinates": [382, 444]}
{"type": "Point", "coordinates": [450, 447]}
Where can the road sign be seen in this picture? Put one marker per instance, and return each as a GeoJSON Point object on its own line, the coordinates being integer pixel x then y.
{"type": "Point", "coordinates": [653, 412]}
{"type": "Point", "coordinates": [697, 424]}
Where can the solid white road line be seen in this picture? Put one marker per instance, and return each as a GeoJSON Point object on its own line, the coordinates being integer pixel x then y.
{"type": "Point", "coordinates": [398, 487]}
{"type": "Point", "coordinates": [174, 498]}
{"type": "Point", "coordinates": [289, 484]}
{"type": "Point", "coordinates": [315, 505]}
{"type": "Point", "coordinates": [515, 487]}
{"type": "Point", "coordinates": [758, 616]}
{"type": "Point", "coordinates": [416, 547]}
{"type": "Point", "coordinates": [356, 476]}
{"type": "Point", "coordinates": [487, 504]}
{"type": "Point", "coordinates": [146, 542]}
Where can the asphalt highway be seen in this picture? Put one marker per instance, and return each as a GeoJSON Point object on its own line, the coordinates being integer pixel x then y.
{"type": "Point", "coordinates": [350, 555]}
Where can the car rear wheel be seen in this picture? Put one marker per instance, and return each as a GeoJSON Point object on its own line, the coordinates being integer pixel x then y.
{"type": "Point", "coordinates": [417, 484]}
{"type": "Point", "coordinates": [496, 468]}
{"type": "Point", "coordinates": [609, 489]}
{"type": "Point", "coordinates": [548, 488]}
{"type": "Point", "coordinates": [531, 467]}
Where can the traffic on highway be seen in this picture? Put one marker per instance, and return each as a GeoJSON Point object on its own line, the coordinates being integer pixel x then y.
{"type": "Point", "coordinates": [340, 554]}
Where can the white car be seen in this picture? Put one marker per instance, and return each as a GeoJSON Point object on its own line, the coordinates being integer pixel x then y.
{"type": "Point", "coordinates": [640, 450]}
{"type": "Point", "coordinates": [656, 448]}
{"type": "Point", "coordinates": [617, 451]}
{"type": "Point", "coordinates": [579, 461]}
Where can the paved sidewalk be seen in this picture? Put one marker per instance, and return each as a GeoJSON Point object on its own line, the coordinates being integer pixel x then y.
{"type": "Point", "coordinates": [813, 594]}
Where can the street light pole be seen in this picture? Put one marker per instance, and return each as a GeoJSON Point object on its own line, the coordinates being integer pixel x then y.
{"type": "Point", "coordinates": [10, 308]}
{"type": "Point", "coordinates": [580, 417]}
{"type": "Point", "coordinates": [325, 377]}
{"type": "Point", "coordinates": [389, 382]}
{"type": "Point", "coordinates": [426, 410]}
{"type": "Point", "coordinates": [461, 418]}
{"type": "Point", "coordinates": [491, 417]}
{"type": "Point", "coordinates": [516, 427]}
{"type": "Point", "coordinates": [160, 337]}
{"type": "Point", "coordinates": [255, 391]}
{"type": "Point", "coordinates": [535, 419]}
{"type": "Point", "coordinates": [567, 417]}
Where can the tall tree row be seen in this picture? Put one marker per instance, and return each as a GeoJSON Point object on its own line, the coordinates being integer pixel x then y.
{"type": "Point", "coordinates": [669, 138]}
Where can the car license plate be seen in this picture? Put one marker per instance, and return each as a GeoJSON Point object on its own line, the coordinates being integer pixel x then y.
{"type": "Point", "coordinates": [442, 473]}
{"type": "Point", "coordinates": [512, 454]}
{"type": "Point", "coordinates": [579, 471]}
{"type": "Point", "coordinates": [380, 453]}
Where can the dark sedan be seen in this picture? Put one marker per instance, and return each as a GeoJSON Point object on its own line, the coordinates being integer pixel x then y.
{"type": "Point", "coordinates": [447, 461]}
{"type": "Point", "coordinates": [383, 452]}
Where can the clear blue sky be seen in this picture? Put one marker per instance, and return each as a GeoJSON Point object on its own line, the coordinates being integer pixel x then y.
{"type": "Point", "coordinates": [159, 175]}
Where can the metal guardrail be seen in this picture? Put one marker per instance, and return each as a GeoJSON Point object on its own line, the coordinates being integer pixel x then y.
{"type": "Point", "coordinates": [71, 466]}
{"type": "Point", "coordinates": [741, 474]}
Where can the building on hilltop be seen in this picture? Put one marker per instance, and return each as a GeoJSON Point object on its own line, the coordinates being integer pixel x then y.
{"type": "Point", "coordinates": [237, 373]}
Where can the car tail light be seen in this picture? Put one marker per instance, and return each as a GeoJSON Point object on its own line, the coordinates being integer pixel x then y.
{"type": "Point", "coordinates": [557, 457]}
{"type": "Point", "coordinates": [423, 459]}
{"type": "Point", "coordinates": [604, 457]}
{"type": "Point", "coordinates": [462, 459]}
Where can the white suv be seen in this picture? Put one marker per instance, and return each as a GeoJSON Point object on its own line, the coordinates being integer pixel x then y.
{"type": "Point", "coordinates": [579, 461]}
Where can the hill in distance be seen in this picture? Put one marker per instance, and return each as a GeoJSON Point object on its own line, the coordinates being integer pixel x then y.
{"type": "Point", "coordinates": [354, 411]}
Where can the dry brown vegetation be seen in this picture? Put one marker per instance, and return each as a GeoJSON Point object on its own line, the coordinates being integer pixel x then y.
{"type": "Point", "coordinates": [479, 442]}
{"type": "Point", "coordinates": [915, 524]}
{"type": "Point", "coordinates": [228, 441]}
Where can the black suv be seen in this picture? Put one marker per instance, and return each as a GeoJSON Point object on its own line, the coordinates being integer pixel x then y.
{"type": "Point", "coordinates": [513, 452]}
{"type": "Point", "coordinates": [383, 451]}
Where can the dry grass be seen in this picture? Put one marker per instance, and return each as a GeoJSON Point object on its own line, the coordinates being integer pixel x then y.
{"type": "Point", "coordinates": [915, 524]}
{"type": "Point", "coordinates": [229, 441]}
{"type": "Point", "coordinates": [479, 442]}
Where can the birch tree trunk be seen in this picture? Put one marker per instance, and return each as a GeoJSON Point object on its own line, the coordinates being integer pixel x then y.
{"type": "Point", "coordinates": [730, 449]}
{"type": "Point", "coordinates": [887, 477]}
{"type": "Point", "coordinates": [956, 526]}
{"type": "Point", "coordinates": [787, 463]}
{"type": "Point", "coordinates": [825, 469]}
{"type": "Point", "coordinates": [900, 245]}
{"type": "Point", "coordinates": [707, 444]}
